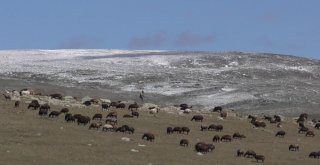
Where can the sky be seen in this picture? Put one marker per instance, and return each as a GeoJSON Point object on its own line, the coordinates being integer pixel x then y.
{"type": "Point", "coordinates": [289, 27]}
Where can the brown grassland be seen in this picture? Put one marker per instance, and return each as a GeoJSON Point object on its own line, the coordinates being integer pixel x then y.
{"type": "Point", "coordinates": [27, 138]}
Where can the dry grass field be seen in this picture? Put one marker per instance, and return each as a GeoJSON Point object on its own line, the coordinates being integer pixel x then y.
{"type": "Point", "coordinates": [27, 138]}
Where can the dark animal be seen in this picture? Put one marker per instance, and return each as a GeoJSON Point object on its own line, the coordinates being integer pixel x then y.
{"type": "Point", "coordinates": [223, 115]}
{"type": "Point", "coordinates": [185, 129]}
{"type": "Point", "coordinates": [83, 120]}
{"type": "Point", "coordinates": [169, 130]}
{"type": "Point", "coordinates": [87, 103]}
{"type": "Point", "coordinates": [77, 116]}
{"type": "Point", "coordinates": [54, 114]}
{"type": "Point", "coordinates": [259, 124]}
{"type": "Point", "coordinates": [45, 106]}
{"type": "Point", "coordinates": [64, 110]}
{"type": "Point", "coordinates": [112, 115]}
{"type": "Point", "coordinates": [34, 104]}
{"type": "Point", "coordinates": [252, 117]}
{"type": "Point", "coordinates": [197, 118]}
{"type": "Point", "coordinates": [317, 126]}
{"type": "Point", "coordinates": [127, 116]}
{"type": "Point", "coordinates": [310, 134]}
{"type": "Point", "coordinates": [281, 133]}
{"type": "Point", "coordinates": [303, 130]}
{"type": "Point", "coordinates": [216, 138]}
{"type": "Point", "coordinates": [133, 106]}
{"type": "Point", "coordinates": [301, 125]}
{"type": "Point", "coordinates": [56, 96]}
{"type": "Point", "coordinates": [259, 157]}
{"type": "Point", "coordinates": [43, 112]}
{"type": "Point", "coordinates": [148, 136]}
{"type": "Point", "coordinates": [97, 116]}
{"type": "Point", "coordinates": [121, 106]}
{"type": "Point", "coordinates": [250, 154]}
{"type": "Point", "coordinates": [95, 125]}
{"type": "Point", "coordinates": [219, 128]}
{"type": "Point", "coordinates": [16, 104]}
{"type": "Point", "coordinates": [268, 118]}
{"type": "Point", "coordinates": [217, 109]}
{"type": "Point", "coordinates": [135, 113]}
{"type": "Point", "coordinates": [114, 103]}
{"type": "Point", "coordinates": [69, 118]}
{"type": "Point", "coordinates": [237, 135]}
{"type": "Point", "coordinates": [240, 153]}
{"type": "Point", "coordinates": [104, 106]}
{"type": "Point", "coordinates": [184, 142]}
{"type": "Point", "coordinates": [184, 106]}
{"type": "Point", "coordinates": [177, 129]}
{"type": "Point", "coordinates": [203, 147]}
{"type": "Point", "coordinates": [226, 138]}
{"type": "Point", "coordinates": [113, 121]}
{"type": "Point", "coordinates": [212, 127]}
{"type": "Point", "coordinates": [203, 128]}
{"type": "Point", "coordinates": [277, 118]}
{"type": "Point", "coordinates": [314, 155]}
{"type": "Point", "coordinates": [294, 147]}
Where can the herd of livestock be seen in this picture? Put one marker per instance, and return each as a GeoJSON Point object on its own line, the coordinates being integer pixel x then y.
{"type": "Point", "coordinates": [111, 121]}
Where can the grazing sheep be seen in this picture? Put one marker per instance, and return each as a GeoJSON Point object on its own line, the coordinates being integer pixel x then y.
{"type": "Point", "coordinates": [197, 118]}
{"type": "Point", "coordinates": [108, 127]}
{"type": "Point", "coordinates": [177, 129]}
{"type": "Point", "coordinates": [294, 147]}
{"type": "Point", "coordinates": [169, 130]}
{"type": "Point", "coordinates": [69, 118]}
{"type": "Point", "coordinates": [259, 157]}
{"type": "Point", "coordinates": [219, 128]}
{"type": "Point", "coordinates": [203, 147]}
{"type": "Point", "coordinates": [111, 121]}
{"type": "Point", "coordinates": [97, 116]}
{"type": "Point", "coordinates": [310, 134]}
{"type": "Point", "coordinates": [95, 125]}
{"type": "Point", "coordinates": [83, 120]}
{"type": "Point", "coordinates": [154, 110]}
{"type": "Point", "coordinates": [314, 155]}
{"type": "Point", "coordinates": [127, 116]}
{"type": "Point", "coordinates": [226, 138]}
{"type": "Point", "coordinates": [184, 142]}
{"type": "Point", "coordinates": [43, 112]}
{"type": "Point", "coordinates": [135, 113]}
{"type": "Point", "coordinates": [56, 96]}
{"type": "Point", "coordinates": [212, 127]}
{"type": "Point", "coordinates": [281, 133]}
{"type": "Point", "coordinates": [185, 129]}
{"type": "Point", "coordinates": [217, 109]}
{"type": "Point", "coordinates": [204, 128]}
{"type": "Point", "coordinates": [7, 97]}
{"type": "Point", "coordinates": [54, 114]}
{"type": "Point", "coordinates": [112, 115]}
{"type": "Point", "coordinates": [237, 135]}
{"type": "Point", "coordinates": [223, 115]}
{"type": "Point", "coordinates": [240, 153]}
{"type": "Point", "coordinates": [104, 106]}
{"type": "Point", "coordinates": [216, 138]}
{"type": "Point", "coordinates": [114, 103]}
{"type": "Point", "coordinates": [16, 104]}
{"type": "Point", "coordinates": [45, 106]}
{"type": "Point", "coordinates": [149, 137]}
{"type": "Point", "coordinates": [259, 124]}
{"type": "Point", "coordinates": [250, 154]}
{"type": "Point", "coordinates": [121, 106]}
{"type": "Point", "coordinates": [64, 110]}
{"type": "Point", "coordinates": [317, 126]}
{"type": "Point", "coordinates": [133, 106]}
{"type": "Point", "coordinates": [34, 104]}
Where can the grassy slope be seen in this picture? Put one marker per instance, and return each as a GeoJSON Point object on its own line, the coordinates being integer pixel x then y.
{"type": "Point", "coordinates": [28, 139]}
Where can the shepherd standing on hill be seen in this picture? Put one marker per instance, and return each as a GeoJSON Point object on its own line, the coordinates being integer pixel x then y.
{"type": "Point", "coordinates": [141, 95]}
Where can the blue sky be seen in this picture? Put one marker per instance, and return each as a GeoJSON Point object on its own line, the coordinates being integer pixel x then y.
{"type": "Point", "coordinates": [273, 26]}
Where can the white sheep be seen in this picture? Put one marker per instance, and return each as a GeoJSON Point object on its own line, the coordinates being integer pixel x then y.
{"type": "Point", "coordinates": [108, 127]}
